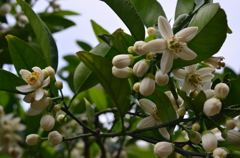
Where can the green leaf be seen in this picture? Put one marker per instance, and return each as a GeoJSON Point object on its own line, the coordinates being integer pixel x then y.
{"type": "Point", "coordinates": [198, 102]}
{"type": "Point", "coordinates": [184, 7]}
{"type": "Point", "coordinates": [90, 112]}
{"type": "Point", "coordinates": [149, 11]}
{"type": "Point", "coordinates": [84, 46]}
{"type": "Point", "coordinates": [59, 13]}
{"type": "Point", "coordinates": [118, 89]}
{"type": "Point", "coordinates": [165, 109]}
{"type": "Point", "coordinates": [129, 15]}
{"type": "Point", "coordinates": [98, 30]}
{"type": "Point", "coordinates": [43, 34]}
{"type": "Point", "coordinates": [233, 95]}
{"type": "Point", "coordinates": [198, 3]}
{"type": "Point", "coordinates": [212, 30]}
{"type": "Point", "coordinates": [23, 55]}
{"type": "Point", "coordinates": [9, 81]}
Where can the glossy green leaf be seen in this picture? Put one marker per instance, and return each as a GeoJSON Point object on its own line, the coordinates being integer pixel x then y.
{"type": "Point", "coordinates": [199, 4]}
{"type": "Point", "coordinates": [199, 101]}
{"type": "Point", "coordinates": [165, 109]}
{"type": "Point", "coordinates": [85, 46]}
{"type": "Point", "coordinates": [184, 7]}
{"type": "Point", "coordinates": [59, 13]}
{"type": "Point", "coordinates": [149, 10]}
{"type": "Point", "coordinates": [117, 89]}
{"type": "Point", "coordinates": [23, 55]}
{"type": "Point", "coordinates": [9, 81]}
{"type": "Point", "coordinates": [129, 15]}
{"type": "Point", "coordinates": [43, 34]}
{"type": "Point", "coordinates": [212, 29]}
{"type": "Point", "coordinates": [98, 30]}
{"type": "Point", "coordinates": [90, 112]}
{"type": "Point", "coordinates": [233, 95]}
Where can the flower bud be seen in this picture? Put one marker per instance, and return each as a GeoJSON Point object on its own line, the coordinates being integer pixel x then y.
{"type": "Point", "coordinates": [149, 56]}
{"type": "Point", "coordinates": [136, 86]}
{"type": "Point", "coordinates": [125, 72]}
{"type": "Point", "coordinates": [161, 79]}
{"type": "Point", "coordinates": [58, 84]}
{"type": "Point", "coordinates": [221, 90]}
{"type": "Point", "coordinates": [5, 8]}
{"type": "Point", "coordinates": [147, 86]}
{"type": "Point", "coordinates": [61, 119]}
{"type": "Point", "coordinates": [209, 141]}
{"type": "Point", "coordinates": [141, 68]}
{"type": "Point", "coordinates": [33, 139]}
{"type": "Point", "coordinates": [130, 50]}
{"type": "Point", "coordinates": [47, 122]}
{"type": "Point", "coordinates": [57, 107]}
{"type": "Point", "coordinates": [123, 60]}
{"type": "Point", "coordinates": [137, 47]}
{"type": "Point", "coordinates": [212, 106]}
{"type": "Point", "coordinates": [195, 137]}
{"type": "Point", "coordinates": [163, 149]}
{"type": "Point", "coordinates": [23, 19]}
{"type": "Point", "coordinates": [233, 137]}
{"type": "Point", "coordinates": [151, 32]}
{"type": "Point", "coordinates": [209, 93]}
{"type": "Point", "coordinates": [51, 72]}
{"type": "Point", "coordinates": [196, 126]}
{"type": "Point", "coordinates": [230, 124]}
{"type": "Point", "coordinates": [220, 153]}
{"type": "Point", "coordinates": [41, 104]}
{"type": "Point", "coordinates": [181, 111]}
{"type": "Point", "coordinates": [55, 138]}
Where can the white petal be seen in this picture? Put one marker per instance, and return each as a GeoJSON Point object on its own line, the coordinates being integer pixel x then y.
{"type": "Point", "coordinates": [187, 34]}
{"type": "Point", "coordinates": [25, 74]}
{"type": "Point", "coordinates": [205, 71]}
{"type": "Point", "coordinates": [164, 28]}
{"type": "Point", "coordinates": [191, 68]}
{"type": "Point", "coordinates": [147, 105]}
{"type": "Point", "coordinates": [186, 87]}
{"type": "Point", "coordinates": [29, 97]}
{"type": "Point", "coordinates": [146, 122]}
{"type": "Point", "coordinates": [180, 74]}
{"type": "Point", "coordinates": [39, 94]}
{"type": "Point", "coordinates": [155, 46]}
{"type": "Point", "coordinates": [187, 54]}
{"type": "Point", "coordinates": [33, 112]}
{"type": "Point", "coordinates": [46, 82]}
{"type": "Point", "coordinates": [25, 88]}
{"type": "Point", "coordinates": [207, 77]}
{"type": "Point", "coordinates": [164, 133]}
{"type": "Point", "coordinates": [37, 69]}
{"type": "Point", "coordinates": [167, 61]}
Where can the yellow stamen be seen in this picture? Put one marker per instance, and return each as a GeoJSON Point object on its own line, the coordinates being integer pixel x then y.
{"type": "Point", "coordinates": [194, 79]}
{"type": "Point", "coordinates": [33, 78]}
{"type": "Point", "coordinates": [175, 44]}
{"type": "Point", "coordinates": [155, 114]}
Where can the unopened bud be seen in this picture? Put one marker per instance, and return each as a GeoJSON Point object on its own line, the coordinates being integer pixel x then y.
{"type": "Point", "coordinates": [130, 50]}
{"type": "Point", "coordinates": [33, 139]}
{"type": "Point", "coordinates": [196, 126]}
{"type": "Point", "coordinates": [57, 107]}
{"type": "Point", "coordinates": [23, 19]}
{"type": "Point", "coordinates": [58, 84]}
{"type": "Point", "coordinates": [212, 106]}
{"type": "Point", "coordinates": [150, 56]}
{"type": "Point", "coordinates": [125, 72]}
{"type": "Point", "coordinates": [230, 124]}
{"type": "Point", "coordinates": [151, 32]}
{"type": "Point", "coordinates": [5, 8]}
{"type": "Point", "coordinates": [209, 141]}
{"type": "Point", "coordinates": [181, 111]}
{"type": "Point", "coordinates": [220, 153]}
{"type": "Point", "coordinates": [141, 68]}
{"type": "Point", "coordinates": [55, 138]}
{"type": "Point", "coordinates": [195, 137]}
{"type": "Point", "coordinates": [163, 149]}
{"type": "Point", "coordinates": [61, 119]}
{"type": "Point", "coordinates": [47, 122]}
{"type": "Point", "coordinates": [137, 48]}
{"type": "Point", "coordinates": [147, 86]}
{"type": "Point", "coordinates": [161, 79]}
{"type": "Point", "coordinates": [41, 104]}
{"type": "Point", "coordinates": [233, 137]}
{"type": "Point", "coordinates": [51, 72]}
{"type": "Point", "coordinates": [136, 86]}
{"type": "Point", "coordinates": [221, 90]}
{"type": "Point", "coordinates": [122, 60]}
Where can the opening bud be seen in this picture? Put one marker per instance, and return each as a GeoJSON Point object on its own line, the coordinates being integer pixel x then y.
{"type": "Point", "coordinates": [209, 141]}
{"type": "Point", "coordinates": [221, 90]}
{"type": "Point", "coordinates": [125, 72]}
{"type": "Point", "coordinates": [55, 138]}
{"type": "Point", "coordinates": [163, 149]}
{"type": "Point", "coordinates": [141, 68]}
{"type": "Point", "coordinates": [137, 48]}
{"type": "Point", "coordinates": [123, 60]}
{"type": "Point", "coordinates": [33, 139]}
{"type": "Point", "coordinates": [47, 122]}
{"type": "Point", "coordinates": [147, 86]}
{"type": "Point", "coordinates": [212, 106]}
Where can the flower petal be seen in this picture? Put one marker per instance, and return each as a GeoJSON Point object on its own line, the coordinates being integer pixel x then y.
{"type": "Point", "coordinates": [25, 74]}
{"type": "Point", "coordinates": [33, 112]}
{"type": "Point", "coordinates": [164, 28]}
{"type": "Point", "coordinates": [191, 68]}
{"type": "Point", "coordinates": [187, 34]}
{"type": "Point", "coordinates": [41, 76]}
{"type": "Point", "coordinates": [146, 122]}
{"type": "Point", "coordinates": [46, 82]}
{"type": "Point", "coordinates": [164, 133]}
{"type": "Point", "coordinates": [155, 46]}
{"type": "Point", "coordinates": [25, 88]}
{"type": "Point", "coordinates": [180, 74]}
{"type": "Point", "coordinates": [39, 94]}
{"type": "Point", "coordinates": [205, 71]}
{"type": "Point", "coordinates": [186, 87]}
{"type": "Point", "coordinates": [167, 61]}
{"type": "Point", "coordinates": [207, 77]}
{"type": "Point", "coordinates": [147, 105]}
{"type": "Point", "coordinates": [186, 53]}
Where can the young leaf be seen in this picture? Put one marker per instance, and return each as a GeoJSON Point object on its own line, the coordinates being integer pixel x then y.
{"type": "Point", "coordinates": [90, 112]}
{"type": "Point", "coordinates": [43, 34]}
{"type": "Point", "coordinates": [212, 29]}
{"type": "Point", "coordinates": [23, 55]}
{"type": "Point", "coordinates": [84, 46]}
{"type": "Point", "coordinates": [118, 89]}
{"type": "Point", "coordinates": [129, 15]}
{"type": "Point", "coordinates": [149, 10]}
{"type": "Point", "coordinates": [183, 7]}
{"type": "Point", "coordinates": [199, 101]}
{"type": "Point", "coordinates": [9, 81]}
{"type": "Point", "coordinates": [98, 30]}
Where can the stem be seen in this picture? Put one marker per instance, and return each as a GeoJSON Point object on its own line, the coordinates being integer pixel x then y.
{"type": "Point", "coordinates": [187, 153]}
{"type": "Point", "coordinates": [77, 137]}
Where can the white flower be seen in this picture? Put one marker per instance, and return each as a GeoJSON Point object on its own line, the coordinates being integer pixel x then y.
{"type": "Point", "coordinates": [221, 90]}
{"type": "Point", "coordinates": [125, 72]}
{"type": "Point", "coordinates": [55, 138]}
{"type": "Point", "coordinates": [212, 106]}
{"type": "Point", "coordinates": [161, 79]}
{"type": "Point", "coordinates": [163, 149]}
{"type": "Point", "coordinates": [35, 81]}
{"type": "Point", "coordinates": [209, 141]}
{"type": "Point", "coordinates": [215, 62]}
{"type": "Point", "coordinates": [193, 79]}
{"type": "Point", "coordinates": [33, 139]}
{"type": "Point", "coordinates": [147, 86]}
{"type": "Point", "coordinates": [150, 108]}
{"type": "Point", "coordinates": [47, 122]}
{"type": "Point", "coordinates": [122, 60]}
{"type": "Point", "coordinates": [141, 68]}
{"type": "Point", "coordinates": [233, 137]}
{"type": "Point", "coordinates": [172, 46]}
{"type": "Point", "coordinates": [138, 48]}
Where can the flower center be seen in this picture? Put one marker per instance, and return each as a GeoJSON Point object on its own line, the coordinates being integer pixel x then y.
{"type": "Point", "coordinates": [155, 114]}
{"type": "Point", "coordinates": [33, 78]}
{"type": "Point", "coordinates": [194, 79]}
{"type": "Point", "coordinates": [175, 44]}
